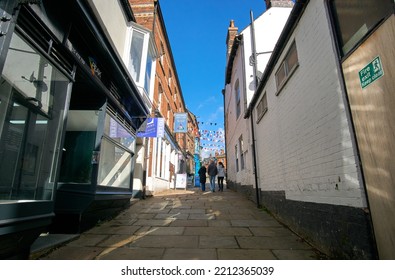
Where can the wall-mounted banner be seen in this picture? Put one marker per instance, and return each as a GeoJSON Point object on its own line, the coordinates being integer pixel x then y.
{"type": "Point", "coordinates": [155, 128]}
{"type": "Point", "coordinates": [180, 122]}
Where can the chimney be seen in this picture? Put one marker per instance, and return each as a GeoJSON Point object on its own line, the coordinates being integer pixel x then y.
{"type": "Point", "coordinates": [232, 32]}
{"type": "Point", "coordinates": [279, 3]}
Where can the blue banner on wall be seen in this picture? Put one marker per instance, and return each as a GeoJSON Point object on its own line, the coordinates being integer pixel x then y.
{"type": "Point", "coordinates": [155, 127]}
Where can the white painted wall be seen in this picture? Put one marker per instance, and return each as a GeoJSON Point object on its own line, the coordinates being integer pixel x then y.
{"type": "Point", "coordinates": [268, 27]}
{"type": "Point", "coordinates": [112, 20]}
{"type": "Point", "coordinates": [304, 143]}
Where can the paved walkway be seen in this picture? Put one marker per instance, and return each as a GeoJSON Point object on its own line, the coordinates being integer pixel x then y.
{"type": "Point", "coordinates": [187, 225]}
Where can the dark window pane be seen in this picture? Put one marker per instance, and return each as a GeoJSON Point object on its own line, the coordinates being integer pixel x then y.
{"type": "Point", "coordinates": [355, 18]}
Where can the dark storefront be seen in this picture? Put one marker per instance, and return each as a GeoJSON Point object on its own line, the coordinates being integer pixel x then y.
{"type": "Point", "coordinates": [67, 123]}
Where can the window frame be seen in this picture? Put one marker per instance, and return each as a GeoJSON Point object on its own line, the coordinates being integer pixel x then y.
{"type": "Point", "coordinates": [343, 27]}
{"type": "Point", "coordinates": [148, 51]}
{"type": "Point", "coordinates": [288, 71]}
{"type": "Point", "coordinates": [237, 98]}
{"type": "Point", "coordinates": [260, 112]}
{"type": "Point", "coordinates": [242, 152]}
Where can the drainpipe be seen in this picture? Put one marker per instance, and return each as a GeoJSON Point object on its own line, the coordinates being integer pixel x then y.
{"type": "Point", "coordinates": [255, 71]}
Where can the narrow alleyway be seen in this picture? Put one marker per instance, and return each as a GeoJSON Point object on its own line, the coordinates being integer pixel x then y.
{"type": "Point", "coordinates": [188, 224]}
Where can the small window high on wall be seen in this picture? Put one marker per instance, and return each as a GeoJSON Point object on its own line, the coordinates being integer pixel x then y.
{"type": "Point", "coordinates": [354, 19]}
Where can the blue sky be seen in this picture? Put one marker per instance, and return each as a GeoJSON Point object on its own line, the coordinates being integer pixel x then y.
{"type": "Point", "coordinates": [197, 32]}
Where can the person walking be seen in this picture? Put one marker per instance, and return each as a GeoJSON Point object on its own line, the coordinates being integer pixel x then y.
{"type": "Point", "coordinates": [212, 172]}
{"type": "Point", "coordinates": [221, 176]}
{"type": "Point", "coordinates": [202, 177]}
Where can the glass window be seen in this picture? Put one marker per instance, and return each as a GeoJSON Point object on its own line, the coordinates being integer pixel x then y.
{"type": "Point", "coordinates": [115, 167]}
{"type": "Point", "coordinates": [136, 53]}
{"type": "Point", "coordinates": [241, 144]}
{"type": "Point", "coordinates": [355, 18]}
{"type": "Point", "coordinates": [116, 152]}
{"type": "Point", "coordinates": [287, 66]}
{"type": "Point", "coordinates": [238, 103]}
{"type": "Point", "coordinates": [148, 72]}
{"type": "Point", "coordinates": [78, 146]}
{"type": "Point", "coordinates": [32, 99]}
{"type": "Point", "coordinates": [237, 158]}
{"type": "Point", "coordinates": [261, 108]}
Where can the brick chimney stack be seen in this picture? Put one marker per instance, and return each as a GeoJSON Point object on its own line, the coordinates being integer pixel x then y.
{"type": "Point", "coordinates": [232, 33]}
{"type": "Point", "coordinates": [279, 3]}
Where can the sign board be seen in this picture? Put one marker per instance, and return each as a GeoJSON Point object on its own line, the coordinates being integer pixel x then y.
{"type": "Point", "coordinates": [181, 181]}
{"type": "Point", "coordinates": [155, 127]}
{"type": "Point", "coordinates": [371, 72]}
{"type": "Point", "coordinates": [180, 122]}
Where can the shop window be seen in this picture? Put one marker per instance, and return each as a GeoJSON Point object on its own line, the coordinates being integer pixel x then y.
{"type": "Point", "coordinates": [116, 152]}
{"type": "Point", "coordinates": [32, 100]}
{"type": "Point", "coordinates": [354, 19]}
{"type": "Point", "coordinates": [78, 147]}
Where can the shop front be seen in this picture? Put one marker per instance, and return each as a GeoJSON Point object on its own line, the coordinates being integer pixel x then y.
{"type": "Point", "coordinates": [67, 123]}
{"type": "Point", "coordinates": [35, 87]}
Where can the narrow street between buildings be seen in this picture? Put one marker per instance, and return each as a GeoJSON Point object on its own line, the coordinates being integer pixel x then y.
{"type": "Point", "coordinates": [185, 225]}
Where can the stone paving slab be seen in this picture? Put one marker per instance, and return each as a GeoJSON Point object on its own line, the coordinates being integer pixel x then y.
{"type": "Point", "coordinates": [188, 225]}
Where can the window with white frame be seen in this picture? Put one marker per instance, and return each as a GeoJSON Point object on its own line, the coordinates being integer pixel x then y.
{"type": "Point", "coordinates": [141, 57]}
{"type": "Point", "coordinates": [237, 96]}
{"type": "Point", "coordinates": [261, 107]}
{"type": "Point", "coordinates": [287, 67]}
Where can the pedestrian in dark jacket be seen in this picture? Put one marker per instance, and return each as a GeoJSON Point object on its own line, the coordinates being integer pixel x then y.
{"type": "Point", "coordinates": [212, 172]}
{"type": "Point", "coordinates": [202, 177]}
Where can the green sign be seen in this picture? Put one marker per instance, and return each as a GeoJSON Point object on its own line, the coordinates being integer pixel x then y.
{"type": "Point", "coordinates": [371, 72]}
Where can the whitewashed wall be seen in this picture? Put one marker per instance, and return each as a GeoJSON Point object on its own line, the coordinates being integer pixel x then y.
{"type": "Point", "coordinates": [268, 27]}
{"type": "Point", "coordinates": [113, 21]}
{"type": "Point", "coordinates": [304, 144]}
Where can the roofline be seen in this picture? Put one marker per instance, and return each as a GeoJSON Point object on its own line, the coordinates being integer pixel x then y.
{"type": "Point", "coordinates": [293, 19]}
{"type": "Point", "coordinates": [238, 39]}
{"type": "Point", "coordinates": [159, 10]}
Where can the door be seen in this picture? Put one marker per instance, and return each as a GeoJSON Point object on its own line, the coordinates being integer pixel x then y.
{"type": "Point", "coordinates": [369, 75]}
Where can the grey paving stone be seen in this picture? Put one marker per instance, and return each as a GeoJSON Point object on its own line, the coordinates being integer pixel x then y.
{"type": "Point", "coordinates": [165, 231]}
{"type": "Point", "coordinates": [152, 222]}
{"type": "Point", "coordinates": [189, 223]}
{"type": "Point", "coordinates": [218, 242]}
{"type": "Point", "coordinates": [218, 231]}
{"type": "Point", "coordinates": [162, 241]}
{"type": "Point", "coordinates": [89, 240]}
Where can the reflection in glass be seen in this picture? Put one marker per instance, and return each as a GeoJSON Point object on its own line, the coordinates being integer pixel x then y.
{"type": "Point", "coordinates": [29, 123]}
{"type": "Point", "coordinates": [115, 166]}
{"type": "Point", "coordinates": [78, 146]}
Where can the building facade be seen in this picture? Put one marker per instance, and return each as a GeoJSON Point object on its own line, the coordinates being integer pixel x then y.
{"type": "Point", "coordinates": [316, 117]}
{"type": "Point", "coordinates": [70, 109]}
{"type": "Point", "coordinates": [247, 54]}
{"type": "Point", "coordinates": [170, 155]}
